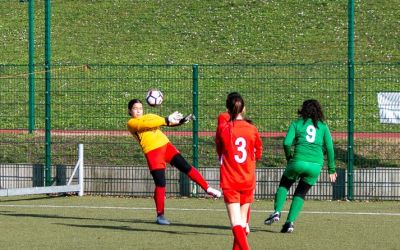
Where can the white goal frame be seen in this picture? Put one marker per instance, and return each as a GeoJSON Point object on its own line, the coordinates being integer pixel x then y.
{"type": "Point", "coordinates": [54, 189]}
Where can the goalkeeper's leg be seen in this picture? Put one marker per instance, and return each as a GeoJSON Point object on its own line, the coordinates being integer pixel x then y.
{"type": "Point", "coordinates": [159, 195]}
{"type": "Point", "coordinates": [182, 165]}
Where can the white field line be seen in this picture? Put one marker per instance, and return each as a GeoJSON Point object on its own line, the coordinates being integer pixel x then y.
{"type": "Point", "coordinates": [194, 209]}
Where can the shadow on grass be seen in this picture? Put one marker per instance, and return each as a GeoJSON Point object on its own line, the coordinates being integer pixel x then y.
{"type": "Point", "coordinates": [32, 198]}
{"type": "Point", "coordinates": [276, 231]}
{"type": "Point", "coordinates": [136, 229]}
{"type": "Point", "coordinates": [193, 225]}
{"type": "Point", "coordinates": [139, 221]}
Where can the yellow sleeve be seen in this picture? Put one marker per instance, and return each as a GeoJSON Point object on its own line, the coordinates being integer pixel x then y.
{"type": "Point", "coordinates": [146, 130]}
{"type": "Point", "coordinates": [146, 122]}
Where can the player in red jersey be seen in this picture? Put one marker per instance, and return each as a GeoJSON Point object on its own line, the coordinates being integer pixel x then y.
{"type": "Point", "coordinates": [238, 146]}
{"type": "Point", "coordinates": [222, 120]}
{"type": "Point", "coordinates": [159, 151]}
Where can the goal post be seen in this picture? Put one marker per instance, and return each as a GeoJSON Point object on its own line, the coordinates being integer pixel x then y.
{"type": "Point", "coordinates": [79, 166]}
{"type": "Point", "coordinates": [69, 188]}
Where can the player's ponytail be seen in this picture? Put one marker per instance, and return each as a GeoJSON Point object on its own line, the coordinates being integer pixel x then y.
{"type": "Point", "coordinates": [234, 104]}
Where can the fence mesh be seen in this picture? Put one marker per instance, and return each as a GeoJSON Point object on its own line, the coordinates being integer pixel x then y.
{"type": "Point", "coordinates": [89, 106]}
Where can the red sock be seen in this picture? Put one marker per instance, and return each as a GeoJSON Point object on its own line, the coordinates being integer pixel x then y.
{"type": "Point", "coordinates": [159, 198]}
{"type": "Point", "coordinates": [195, 176]}
{"type": "Point", "coordinates": [240, 237]}
{"type": "Point", "coordinates": [235, 245]}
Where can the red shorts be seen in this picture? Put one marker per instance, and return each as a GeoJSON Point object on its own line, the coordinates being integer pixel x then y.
{"type": "Point", "coordinates": [159, 157]}
{"type": "Point", "coordinates": [238, 196]}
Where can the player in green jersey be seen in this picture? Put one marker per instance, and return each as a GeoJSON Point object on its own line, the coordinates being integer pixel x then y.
{"type": "Point", "coordinates": [309, 135]}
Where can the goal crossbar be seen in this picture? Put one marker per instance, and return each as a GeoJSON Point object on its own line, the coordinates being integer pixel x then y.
{"type": "Point", "coordinates": [54, 189]}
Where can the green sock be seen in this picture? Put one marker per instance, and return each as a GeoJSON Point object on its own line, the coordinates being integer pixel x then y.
{"type": "Point", "coordinates": [280, 198]}
{"type": "Point", "coordinates": [295, 208]}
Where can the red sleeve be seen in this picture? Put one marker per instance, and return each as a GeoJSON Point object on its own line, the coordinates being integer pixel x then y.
{"type": "Point", "coordinates": [222, 120]}
{"type": "Point", "coordinates": [258, 146]}
{"type": "Point", "coordinates": [218, 143]}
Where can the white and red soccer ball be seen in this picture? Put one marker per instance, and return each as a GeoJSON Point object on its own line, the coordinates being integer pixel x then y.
{"type": "Point", "coordinates": [154, 97]}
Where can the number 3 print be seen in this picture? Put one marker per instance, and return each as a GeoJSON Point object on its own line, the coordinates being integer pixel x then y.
{"type": "Point", "coordinates": [241, 143]}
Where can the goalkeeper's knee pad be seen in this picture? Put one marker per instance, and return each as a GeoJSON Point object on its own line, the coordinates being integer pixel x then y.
{"type": "Point", "coordinates": [180, 163]}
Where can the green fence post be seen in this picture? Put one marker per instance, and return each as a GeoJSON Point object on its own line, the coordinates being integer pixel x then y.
{"type": "Point", "coordinates": [196, 115]}
{"type": "Point", "coordinates": [47, 94]}
{"type": "Point", "coordinates": [31, 125]}
{"type": "Point", "coordinates": [350, 123]}
{"type": "Point", "coordinates": [184, 184]}
{"type": "Point", "coordinates": [195, 121]}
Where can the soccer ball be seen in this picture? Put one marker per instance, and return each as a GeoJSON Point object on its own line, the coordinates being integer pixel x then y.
{"type": "Point", "coordinates": [154, 97]}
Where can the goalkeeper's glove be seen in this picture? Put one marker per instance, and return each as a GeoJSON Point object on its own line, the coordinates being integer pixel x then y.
{"type": "Point", "coordinates": [186, 119]}
{"type": "Point", "coordinates": [174, 118]}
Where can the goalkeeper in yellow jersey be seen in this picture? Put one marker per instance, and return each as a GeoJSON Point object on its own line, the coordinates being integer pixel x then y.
{"type": "Point", "coordinates": [159, 151]}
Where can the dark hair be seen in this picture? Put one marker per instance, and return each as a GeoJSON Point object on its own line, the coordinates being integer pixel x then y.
{"type": "Point", "coordinates": [234, 104]}
{"type": "Point", "coordinates": [313, 110]}
{"type": "Point", "coordinates": [230, 96]}
{"type": "Point", "coordinates": [133, 102]}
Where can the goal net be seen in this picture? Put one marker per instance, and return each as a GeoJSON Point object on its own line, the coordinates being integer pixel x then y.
{"type": "Point", "coordinates": [74, 184]}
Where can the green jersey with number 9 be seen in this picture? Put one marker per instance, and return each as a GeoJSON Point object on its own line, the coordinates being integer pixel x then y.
{"type": "Point", "coordinates": [309, 143]}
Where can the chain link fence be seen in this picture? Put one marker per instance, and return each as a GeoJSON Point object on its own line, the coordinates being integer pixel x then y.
{"type": "Point", "coordinates": [89, 106]}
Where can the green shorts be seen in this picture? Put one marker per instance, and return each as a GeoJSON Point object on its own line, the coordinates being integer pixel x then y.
{"type": "Point", "coordinates": [307, 171]}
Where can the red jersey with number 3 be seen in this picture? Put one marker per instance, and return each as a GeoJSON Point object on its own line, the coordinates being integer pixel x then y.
{"type": "Point", "coordinates": [240, 145]}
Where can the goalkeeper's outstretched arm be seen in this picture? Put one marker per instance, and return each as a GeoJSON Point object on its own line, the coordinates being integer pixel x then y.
{"type": "Point", "coordinates": [178, 119]}
{"type": "Point", "coordinates": [173, 119]}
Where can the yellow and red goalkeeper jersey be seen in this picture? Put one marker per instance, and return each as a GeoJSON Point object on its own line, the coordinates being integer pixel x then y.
{"type": "Point", "coordinates": [240, 145]}
{"type": "Point", "coordinates": [146, 129]}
